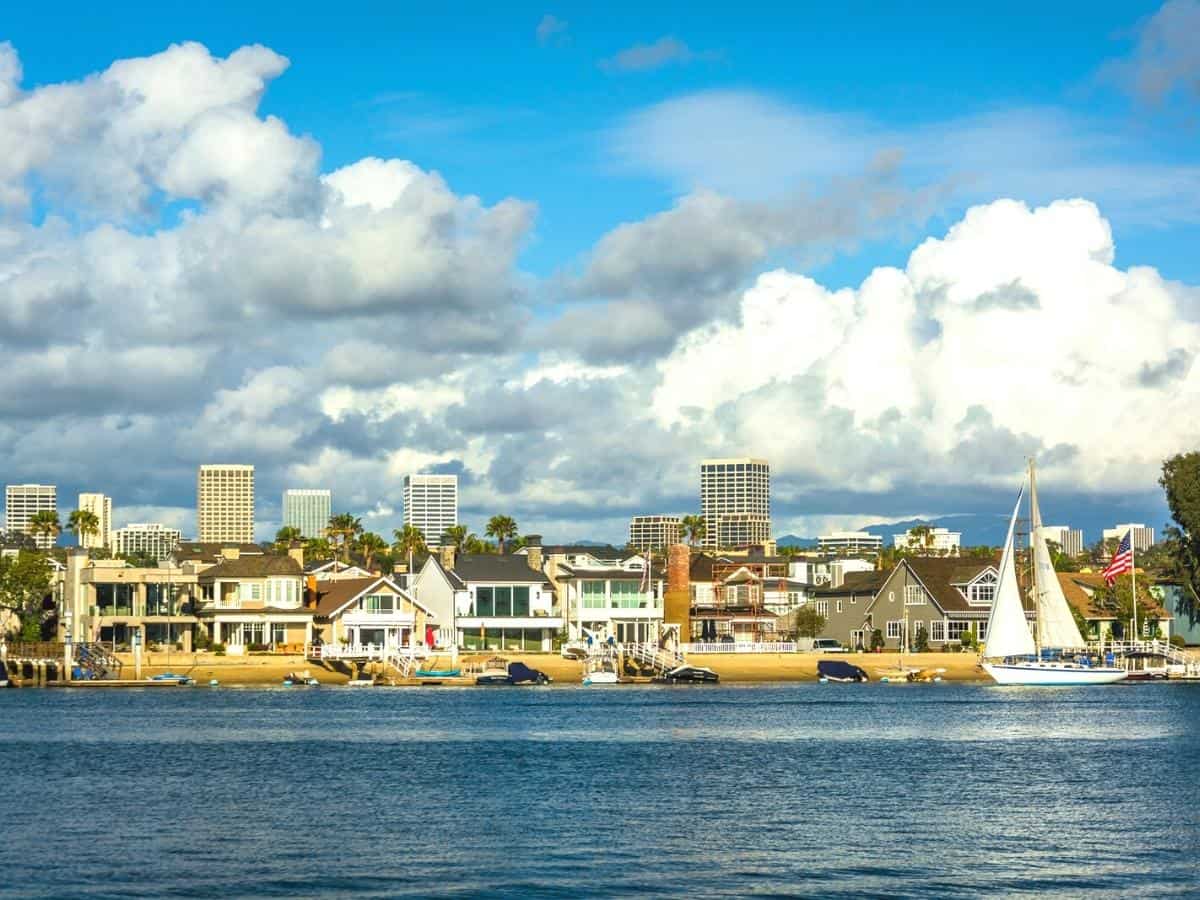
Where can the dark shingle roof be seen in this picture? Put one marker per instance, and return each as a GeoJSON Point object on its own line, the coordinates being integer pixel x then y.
{"type": "Point", "coordinates": [940, 574]}
{"type": "Point", "coordinates": [252, 567]}
{"type": "Point", "coordinates": [210, 551]}
{"type": "Point", "coordinates": [857, 583]}
{"type": "Point", "coordinates": [494, 568]}
{"type": "Point", "coordinates": [613, 574]}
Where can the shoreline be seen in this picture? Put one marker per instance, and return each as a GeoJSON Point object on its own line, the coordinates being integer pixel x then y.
{"type": "Point", "coordinates": [733, 668]}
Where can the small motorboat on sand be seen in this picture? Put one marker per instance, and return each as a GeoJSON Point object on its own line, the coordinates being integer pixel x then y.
{"type": "Point", "coordinates": [515, 673]}
{"type": "Point", "coordinates": [840, 671]}
{"type": "Point", "coordinates": [686, 674]}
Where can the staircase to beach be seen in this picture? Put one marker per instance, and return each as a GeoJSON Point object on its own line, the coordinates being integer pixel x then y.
{"type": "Point", "coordinates": [658, 659]}
{"type": "Point", "coordinates": [96, 661]}
{"type": "Point", "coordinates": [1173, 655]}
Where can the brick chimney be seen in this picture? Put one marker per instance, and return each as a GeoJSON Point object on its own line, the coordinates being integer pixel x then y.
{"type": "Point", "coordinates": [677, 605]}
{"type": "Point", "coordinates": [533, 551]}
{"type": "Point", "coordinates": [446, 552]}
{"type": "Point", "coordinates": [297, 553]}
{"type": "Point", "coordinates": [230, 552]}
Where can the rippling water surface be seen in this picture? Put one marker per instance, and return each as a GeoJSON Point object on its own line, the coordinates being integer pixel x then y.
{"type": "Point", "coordinates": [917, 791]}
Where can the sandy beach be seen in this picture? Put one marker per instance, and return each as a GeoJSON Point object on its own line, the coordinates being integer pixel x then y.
{"type": "Point", "coordinates": [732, 667]}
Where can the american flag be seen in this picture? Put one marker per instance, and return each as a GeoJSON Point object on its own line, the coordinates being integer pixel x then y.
{"type": "Point", "coordinates": [1122, 560]}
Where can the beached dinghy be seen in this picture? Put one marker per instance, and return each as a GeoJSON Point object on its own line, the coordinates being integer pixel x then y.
{"type": "Point", "coordinates": [840, 671]}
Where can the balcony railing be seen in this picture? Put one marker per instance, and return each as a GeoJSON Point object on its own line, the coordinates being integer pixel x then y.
{"type": "Point", "coordinates": [740, 647]}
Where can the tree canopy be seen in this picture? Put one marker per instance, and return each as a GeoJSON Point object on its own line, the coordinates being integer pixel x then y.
{"type": "Point", "coordinates": [1181, 482]}
{"type": "Point", "coordinates": [24, 583]}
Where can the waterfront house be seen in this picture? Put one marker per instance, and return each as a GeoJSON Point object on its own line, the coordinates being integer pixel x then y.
{"type": "Point", "coordinates": [604, 601]}
{"type": "Point", "coordinates": [739, 598]}
{"type": "Point", "coordinates": [843, 601]}
{"type": "Point", "coordinates": [489, 601]}
{"type": "Point", "coordinates": [256, 603]}
{"type": "Point", "coordinates": [1085, 592]}
{"type": "Point", "coordinates": [371, 610]}
{"type": "Point", "coordinates": [108, 600]}
{"type": "Point", "coordinates": [946, 596]}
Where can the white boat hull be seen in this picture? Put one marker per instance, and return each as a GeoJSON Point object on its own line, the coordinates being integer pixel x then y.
{"type": "Point", "coordinates": [600, 678]}
{"type": "Point", "coordinates": [1052, 673]}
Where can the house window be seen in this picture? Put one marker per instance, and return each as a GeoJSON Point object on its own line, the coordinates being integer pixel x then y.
{"type": "Point", "coordinates": [626, 594]}
{"type": "Point", "coordinates": [955, 629]}
{"type": "Point", "coordinates": [937, 631]}
{"type": "Point", "coordinates": [914, 595]}
{"type": "Point", "coordinates": [485, 603]}
{"type": "Point", "coordinates": [520, 600]}
{"type": "Point", "coordinates": [250, 590]}
{"type": "Point", "coordinates": [839, 604]}
{"type": "Point", "coordinates": [983, 591]}
{"type": "Point", "coordinates": [981, 631]}
{"type": "Point", "coordinates": [822, 608]}
{"type": "Point", "coordinates": [891, 596]}
{"type": "Point", "coordinates": [503, 597]}
{"type": "Point", "coordinates": [895, 628]}
{"type": "Point", "coordinates": [278, 633]}
{"type": "Point", "coordinates": [593, 594]}
{"type": "Point", "coordinates": [379, 603]}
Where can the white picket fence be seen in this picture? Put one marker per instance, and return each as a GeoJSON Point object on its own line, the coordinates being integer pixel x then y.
{"type": "Point", "coordinates": [736, 647]}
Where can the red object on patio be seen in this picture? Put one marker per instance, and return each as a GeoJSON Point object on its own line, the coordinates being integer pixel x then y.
{"type": "Point", "coordinates": [429, 636]}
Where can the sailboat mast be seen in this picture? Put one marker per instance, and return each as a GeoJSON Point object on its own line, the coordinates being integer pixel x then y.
{"type": "Point", "coordinates": [1034, 514]}
{"type": "Point", "coordinates": [1133, 581]}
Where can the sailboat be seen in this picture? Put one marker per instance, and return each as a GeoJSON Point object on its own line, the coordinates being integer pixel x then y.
{"type": "Point", "coordinates": [1012, 653]}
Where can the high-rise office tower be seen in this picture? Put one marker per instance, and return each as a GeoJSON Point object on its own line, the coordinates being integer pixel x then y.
{"type": "Point", "coordinates": [308, 510]}
{"type": "Point", "coordinates": [101, 506]}
{"type": "Point", "coordinates": [225, 504]}
{"type": "Point", "coordinates": [655, 532]}
{"type": "Point", "coordinates": [22, 502]}
{"type": "Point", "coordinates": [431, 504]}
{"type": "Point", "coordinates": [735, 501]}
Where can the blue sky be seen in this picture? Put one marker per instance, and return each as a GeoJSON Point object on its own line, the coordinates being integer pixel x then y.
{"type": "Point", "coordinates": [637, 170]}
{"type": "Point", "coordinates": [470, 92]}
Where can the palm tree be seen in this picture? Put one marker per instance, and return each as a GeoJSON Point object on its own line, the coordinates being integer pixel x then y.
{"type": "Point", "coordinates": [318, 548]}
{"type": "Point", "coordinates": [501, 528]}
{"type": "Point", "coordinates": [694, 529]}
{"type": "Point", "coordinates": [458, 534]}
{"type": "Point", "coordinates": [342, 530]}
{"type": "Point", "coordinates": [371, 545]}
{"type": "Point", "coordinates": [286, 536]}
{"type": "Point", "coordinates": [45, 523]}
{"type": "Point", "coordinates": [84, 523]}
{"type": "Point", "coordinates": [409, 541]}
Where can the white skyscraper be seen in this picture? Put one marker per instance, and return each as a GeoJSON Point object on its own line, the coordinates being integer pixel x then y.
{"type": "Point", "coordinates": [150, 539]}
{"type": "Point", "coordinates": [1143, 536]}
{"type": "Point", "coordinates": [655, 532]}
{"type": "Point", "coordinates": [431, 504]}
{"type": "Point", "coordinates": [101, 506]}
{"type": "Point", "coordinates": [1069, 540]}
{"type": "Point", "coordinates": [308, 510]}
{"type": "Point", "coordinates": [735, 501]}
{"type": "Point", "coordinates": [22, 502]}
{"type": "Point", "coordinates": [225, 504]}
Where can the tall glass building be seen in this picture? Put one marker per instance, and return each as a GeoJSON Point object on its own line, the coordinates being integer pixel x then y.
{"type": "Point", "coordinates": [735, 501]}
{"type": "Point", "coordinates": [431, 504]}
{"type": "Point", "coordinates": [307, 509]}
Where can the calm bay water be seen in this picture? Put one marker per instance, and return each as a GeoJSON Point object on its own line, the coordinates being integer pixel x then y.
{"type": "Point", "coordinates": [917, 791]}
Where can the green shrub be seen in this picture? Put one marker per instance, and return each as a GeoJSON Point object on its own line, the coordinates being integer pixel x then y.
{"type": "Point", "coordinates": [921, 644]}
{"type": "Point", "coordinates": [1178, 640]}
{"type": "Point", "coordinates": [876, 640]}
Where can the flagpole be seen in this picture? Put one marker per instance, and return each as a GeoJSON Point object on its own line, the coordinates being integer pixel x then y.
{"type": "Point", "coordinates": [1133, 581]}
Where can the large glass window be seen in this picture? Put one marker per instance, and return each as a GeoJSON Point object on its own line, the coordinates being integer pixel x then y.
{"type": "Point", "coordinates": [278, 633]}
{"type": "Point", "coordinates": [955, 629]}
{"type": "Point", "coordinates": [379, 603]}
{"type": "Point", "coordinates": [937, 631]}
{"type": "Point", "coordinates": [895, 628]}
{"type": "Point", "coordinates": [503, 601]}
{"type": "Point", "coordinates": [520, 600]}
{"type": "Point", "coordinates": [626, 595]}
{"type": "Point", "coordinates": [160, 599]}
{"type": "Point", "coordinates": [485, 604]}
{"type": "Point", "coordinates": [593, 594]}
{"type": "Point", "coordinates": [914, 595]}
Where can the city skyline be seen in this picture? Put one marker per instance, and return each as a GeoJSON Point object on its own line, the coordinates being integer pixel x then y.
{"type": "Point", "coordinates": [844, 278]}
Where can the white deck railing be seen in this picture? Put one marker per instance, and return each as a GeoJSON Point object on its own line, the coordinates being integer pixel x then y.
{"type": "Point", "coordinates": [740, 647]}
{"type": "Point", "coordinates": [366, 652]}
{"type": "Point", "coordinates": [1164, 649]}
